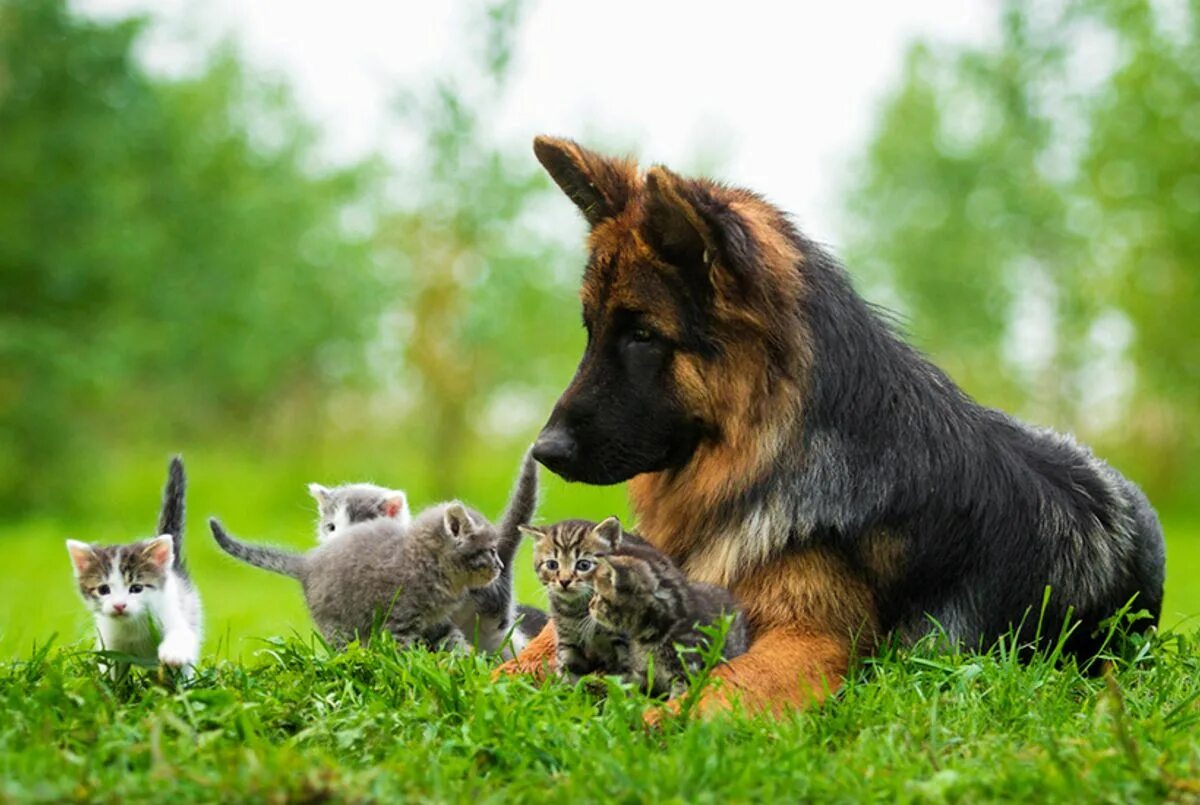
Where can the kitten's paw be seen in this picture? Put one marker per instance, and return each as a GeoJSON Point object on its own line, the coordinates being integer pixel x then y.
{"type": "Point", "coordinates": [178, 651]}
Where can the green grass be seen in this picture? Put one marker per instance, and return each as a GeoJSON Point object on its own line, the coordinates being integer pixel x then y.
{"type": "Point", "coordinates": [296, 723]}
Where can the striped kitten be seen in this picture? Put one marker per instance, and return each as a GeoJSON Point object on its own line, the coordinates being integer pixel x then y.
{"type": "Point", "coordinates": [659, 611]}
{"type": "Point", "coordinates": [141, 598]}
{"type": "Point", "coordinates": [565, 557]}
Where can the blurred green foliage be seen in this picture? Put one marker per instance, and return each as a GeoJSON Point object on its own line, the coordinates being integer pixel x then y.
{"type": "Point", "coordinates": [1033, 207]}
{"type": "Point", "coordinates": [485, 329]}
{"type": "Point", "coordinates": [170, 262]}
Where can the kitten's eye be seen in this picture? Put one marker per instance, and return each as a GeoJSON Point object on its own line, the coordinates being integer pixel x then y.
{"type": "Point", "coordinates": [328, 528]}
{"type": "Point", "coordinates": [584, 565]}
{"type": "Point", "coordinates": [550, 564]}
{"type": "Point", "coordinates": [103, 589]}
{"type": "Point", "coordinates": [135, 588]}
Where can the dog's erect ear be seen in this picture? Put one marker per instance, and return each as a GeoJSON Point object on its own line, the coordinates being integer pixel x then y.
{"type": "Point", "coordinates": [675, 226]}
{"type": "Point", "coordinates": [600, 186]}
{"type": "Point", "coordinates": [691, 229]}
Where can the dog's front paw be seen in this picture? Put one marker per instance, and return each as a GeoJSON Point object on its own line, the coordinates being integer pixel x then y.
{"type": "Point", "coordinates": [656, 717]}
{"type": "Point", "coordinates": [538, 669]}
{"type": "Point", "coordinates": [179, 650]}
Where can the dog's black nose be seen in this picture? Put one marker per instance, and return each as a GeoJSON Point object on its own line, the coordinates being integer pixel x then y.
{"type": "Point", "coordinates": [555, 449]}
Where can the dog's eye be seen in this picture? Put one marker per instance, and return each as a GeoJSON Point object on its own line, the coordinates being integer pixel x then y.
{"type": "Point", "coordinates": [328, 528]}
{"type": "Point", "coordinates": [135, 588]}
{"type": "Point", "coordinates": [641, 335]}
{"type": "Point", "coordinates": [103, 589]}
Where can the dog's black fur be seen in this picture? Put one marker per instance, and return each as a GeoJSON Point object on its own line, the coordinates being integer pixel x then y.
{"type": "Point", "coordinates": [992, 511]}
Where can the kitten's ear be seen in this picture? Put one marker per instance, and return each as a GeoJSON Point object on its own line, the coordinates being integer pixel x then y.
{"type": "Point", "coordinates": [610, 531]}
{"type": "Point", "coordinates": [530, 532]}
{"type": "Point", "coordinates": [160, 551]}
{"type": "Point", "coordinates": [394, 505]}
{"type": "Point", "coordinates": [458, 521]}
{"type": "Point", "coordinates": [319, 493]}
{"type": "Point", "coordinates": [82, 555]}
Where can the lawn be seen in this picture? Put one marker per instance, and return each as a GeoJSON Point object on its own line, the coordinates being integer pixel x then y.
{"type": "Point", "coordinates": [299, 724]}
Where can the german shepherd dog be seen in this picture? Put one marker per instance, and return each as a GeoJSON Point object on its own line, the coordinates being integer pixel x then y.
{"type": "Point", "coordinates": [780, 439]}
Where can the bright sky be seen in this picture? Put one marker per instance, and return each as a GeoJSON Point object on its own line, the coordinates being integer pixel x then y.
{"type": "Point", "coordinates": [782, 95]}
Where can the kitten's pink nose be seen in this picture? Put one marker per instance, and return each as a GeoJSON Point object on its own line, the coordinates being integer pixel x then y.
{"type": "Point", "coordinates": [565, 583]}
{"type": "Point", "coordinates": [119, 609]}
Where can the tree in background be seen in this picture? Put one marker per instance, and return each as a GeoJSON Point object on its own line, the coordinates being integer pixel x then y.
{"type": "Point", "coordinates": [1033, 208]}
{"type": "Point", "coordinates": [169, 258]}
{"type": "Point", "coordinates": [483, 327]}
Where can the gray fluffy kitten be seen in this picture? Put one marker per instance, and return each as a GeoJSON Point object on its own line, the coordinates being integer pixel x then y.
{"type": "Point", "coordinates": [407, 580]}
{"type": "Point", "coordinates": [415, 578]}
{"type": "Point", "coordinates": [485, 616]}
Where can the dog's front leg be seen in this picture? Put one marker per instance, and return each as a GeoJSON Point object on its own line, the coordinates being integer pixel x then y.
{"type": "Point", "coordinates": [536, 659]}
{"type": "Point", "coordinates": [783, 670]}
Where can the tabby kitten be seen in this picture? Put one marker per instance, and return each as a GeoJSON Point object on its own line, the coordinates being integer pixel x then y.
{"type": "Point", "coordinates": [342, 506]}
{"type": "Point", "coordinates": [408, 579]}
{"type": "Point", "coordinates": [142, 600]}
{"type": "Point", "coordinates": [565, 557]}
{"type": "Point", "coordinates": [660, 612]}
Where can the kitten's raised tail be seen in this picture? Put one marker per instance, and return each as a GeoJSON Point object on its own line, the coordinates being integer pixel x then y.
{"type": "Point", "coordinates": [520, 509]}
{"type": "Point", "coordinates": [286, 563]}
{"type": "Point", "coordinates": [170, 519]}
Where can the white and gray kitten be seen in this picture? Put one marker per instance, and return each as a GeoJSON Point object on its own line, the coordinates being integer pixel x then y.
{"type": "Point", "coordinates": [342, 506]}
{"type": "Point", "coordinates": [141, 598]}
